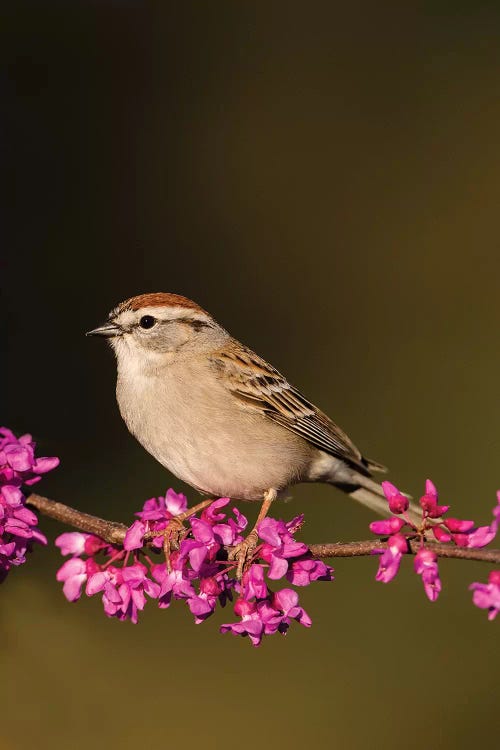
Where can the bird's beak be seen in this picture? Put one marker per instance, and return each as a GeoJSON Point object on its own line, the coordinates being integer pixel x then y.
{"type": "Point", "coordinates": [108, 330]}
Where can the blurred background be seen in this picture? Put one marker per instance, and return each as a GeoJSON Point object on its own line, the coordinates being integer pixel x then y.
{"type": "Point", "coordinates": [325, 180]}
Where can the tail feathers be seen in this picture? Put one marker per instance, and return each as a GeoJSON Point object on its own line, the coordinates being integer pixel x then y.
{"type": "Point", "coordinates": [375, 466]}
{"type": "Point", "coordinates": [372, 496]}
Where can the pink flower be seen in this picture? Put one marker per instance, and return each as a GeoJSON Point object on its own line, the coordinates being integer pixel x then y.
{"type": "Point", "coordinates": [18, 463]}
{"type": "Point", "coordinates": [287, 601]}
{"type": "Point", "coordinates": [251, 624]}
{"type": "Point", "coordinates": [305, 570]}
{"type": "Point", "coordinates": [134, 538]}
{"type": "Point", "coordinates": [441, 535]}
{"type": "Point", "coordinates": [123, 590]}
{"type": "Point", "coordinates": [429, 502]}
{"type": "Point", "coordinates": [18, 524]}
{"type": "Point", "coordinates": [279, 548]}
{"type": "Point", "coordinates": [72, 543]}
{"type": "Point", "coordinates": [426, 565]}
{"type": "Point", "coordinates": [391, 557]}
{"type": "Point", "coordinates": [388, 526]}
{"type": "Point", "coordinates": [487, 595]}
{"type": "Point", "coordinates": [211, 514]}
{"type": "Point", "coordinates": [175, 584]}
{"type": "Point", "coordinates": [74, 574]}
{"type": "Point", "coordinates": [163, 508]}
{"type": "Point", "coordinates": [199, 573]}
{"type": "Point", "coordinates": [483, 535]}
{"type": "Point", "coordinates": [254, 585]}
{"type": "Point", "coordinates": [398, 503]}
{"type": "Point", "coordinates": [457, 525]}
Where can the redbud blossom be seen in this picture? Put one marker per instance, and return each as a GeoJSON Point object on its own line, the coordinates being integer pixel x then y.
{"type": "Point", "coordinates": [398, 503]}
{"type": "Point", "coordinates": [388, 526]}
{"type": "Point", "coordinates": [18, 524]}
{"type": "Point", "coordinates": [487, 595]}
{"type": "Point", "coordinates": [429, 502]}
{"type": "Point", "coordinates": [460, 532]}
{"type": "Point", "coordinates": [199, 571]}
{"type": "Point", "coordinates": [425, 565]}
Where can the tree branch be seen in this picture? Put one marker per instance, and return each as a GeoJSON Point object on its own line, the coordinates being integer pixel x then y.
{"type": "Point", "coordinates": [114, 533]}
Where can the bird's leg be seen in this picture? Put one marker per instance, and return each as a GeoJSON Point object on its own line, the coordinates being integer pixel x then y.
{"type": "Point", "coordinates": [243, 552]}
{"type": "Point", "coordinates": [175, 531]}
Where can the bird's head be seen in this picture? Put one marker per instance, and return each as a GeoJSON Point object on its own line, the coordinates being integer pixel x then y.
{"type": "Point", "coordinates": [155, 328]}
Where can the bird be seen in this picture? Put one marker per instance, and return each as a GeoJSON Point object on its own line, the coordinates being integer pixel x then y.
{"type": "Point", "coordinates": [218, 416]}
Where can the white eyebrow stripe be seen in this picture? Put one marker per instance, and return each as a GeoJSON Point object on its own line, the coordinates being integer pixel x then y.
{"type": "Point", "coordinates": [176, 313]}
{"type": "Point", "coordinates": [130, 317]}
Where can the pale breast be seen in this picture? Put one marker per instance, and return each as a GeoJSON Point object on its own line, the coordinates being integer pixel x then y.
{"type": "Point", "coordinates": [197, 429]}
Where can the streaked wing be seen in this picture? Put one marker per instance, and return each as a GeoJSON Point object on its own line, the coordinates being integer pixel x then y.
{"type": "Point", "coordinates": [262, 387]}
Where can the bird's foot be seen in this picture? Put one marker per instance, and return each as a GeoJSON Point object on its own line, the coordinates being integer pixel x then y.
{"type": "Point", "coordinates": [175, 531]}
{"type": "Point", "coordinates": [243, 553]}
{"type": "Point", "coordinates": [173, 534]}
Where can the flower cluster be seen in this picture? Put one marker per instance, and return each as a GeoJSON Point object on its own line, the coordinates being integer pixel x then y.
{"type": "Point", "coordinates": [400, 528]}
{"type": "Point", "coordinates": [199, 571]}
{"type": "Point", "coordinates": [18, 524]}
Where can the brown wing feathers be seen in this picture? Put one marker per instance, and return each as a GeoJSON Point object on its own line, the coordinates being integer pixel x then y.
{"type": "Point", "coordinates": [260, 385]}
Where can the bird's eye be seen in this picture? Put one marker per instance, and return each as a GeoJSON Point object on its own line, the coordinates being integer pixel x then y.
{"type": "Point", "coordinates": [147, 321]}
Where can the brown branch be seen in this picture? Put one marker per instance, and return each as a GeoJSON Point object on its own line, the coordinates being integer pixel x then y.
{"type": "Point", "coordinates": [110, 531]}
{"type": "Point", "coordinates": [360, 549]}
{"type": "Point", "coordinates": [114, 533]}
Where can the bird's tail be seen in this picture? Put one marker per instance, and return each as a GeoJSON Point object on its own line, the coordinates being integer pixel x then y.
{"type": "Point", "coordinates": [370, 493]}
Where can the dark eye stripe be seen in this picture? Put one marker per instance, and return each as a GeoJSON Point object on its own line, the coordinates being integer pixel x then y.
{"type": "Point", "coordinates": [195, 323]}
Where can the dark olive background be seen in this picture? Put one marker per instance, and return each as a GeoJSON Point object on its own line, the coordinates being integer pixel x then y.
{"type": "Point", "coordinates": [325, 180]}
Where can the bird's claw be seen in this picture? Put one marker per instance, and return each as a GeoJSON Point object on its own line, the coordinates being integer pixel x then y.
{"type": "Point", "coordinates": [243, 553]}
{"type": "Point", "coordinates": [173, 534]}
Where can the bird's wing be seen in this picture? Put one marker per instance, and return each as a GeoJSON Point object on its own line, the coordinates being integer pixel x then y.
{"type": "Point", "coordinates": [252, 380]}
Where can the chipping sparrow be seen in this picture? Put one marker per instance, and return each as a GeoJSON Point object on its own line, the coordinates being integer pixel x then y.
{"type": "Point", "coordinates": [217, 415]}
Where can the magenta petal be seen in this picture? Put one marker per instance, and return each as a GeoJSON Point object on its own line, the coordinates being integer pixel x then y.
{"type": "Point", "coordinates": [138, 598]}
{"type": "Point", "coordinates": [72, 567]}
{"type": "Point", "coordinates": [277, 568]}
{"type": "Point", "coordinates": [32, 481]}
{"type": "Point", "coordinates": [254, 583]}
{"type": "Point", "coordinates": [152, 588]}
{"type": "Point", "coordinates": [302, 617]}
{"type": "Point", "coordinates": [175, 503]}
{"type": "Point", "coordinates": [134, 538]}
{"type": "Point", "coordinates": [388, 566]}
{"type": "Point", "coordinates": [25, 515]}
{"type": "Point", "coordinates": [224, 533]}
{"type": "Point", "coordinates": [387, 526]}
{"type": "Point", "coordinates": [286, 599]}
{"type": "Point", "coordinates": [202, 531]}
{"type": "Point", "coordinates": [12, 495]}
{"type": "Point", "coordinates": [199, 606]}
{"type": "Point", "coordinates": [431, 490]}
{"type": "Point", "coordinates": [268, 531]}
{"type": "Point", "coordinates": [71, 542]}
{"type": "Point", "coordinates": [494, 577]}
{"type": "Point", "coordinates": [19, 457]}
{"type": "Point", "coordinates": [43, 465]}
{"type": "Point", "coordinates": [134, 575]}
{"type": "Point", "coordinates": [197, 556]}
{"type": "Point", "coordinates": [440, 534]}
{"type": "Point", "coordinates": [211, 514]}
{"type": "Point", "coordinates": [18, 528]}
{"type": "Point", "coordinates": [96, 583]}
{"type": "Point", "coordinates": [458, 525]}
{"type": "Point", "coordinates": [432, 584]}
{"type": "Point", "coordinates": [481, 536]}
{"type": "Point", "coordinates": [398, 503]}
{"type": "Point", "coordinates": [72, 588]}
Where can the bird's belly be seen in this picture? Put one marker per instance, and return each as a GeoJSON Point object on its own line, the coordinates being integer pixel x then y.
{"type": "Point", "coordinates": [208, 443]}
